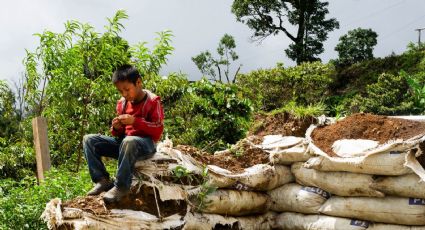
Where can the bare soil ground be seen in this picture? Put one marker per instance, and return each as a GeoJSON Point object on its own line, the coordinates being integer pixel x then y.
{"type": "Point", "coordinates": [243, 157]}
{"type": "Point", "coordinates": [142, 199]}
{"type": "Point", "coordinates": [366, 126]}
{"type": "Point", "coordinates": [281, 123]}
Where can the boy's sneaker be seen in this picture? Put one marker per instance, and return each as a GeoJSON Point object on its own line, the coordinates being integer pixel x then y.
{"type": "Point", "coordinates": [101, 186]}
{"type": "Point", "coordinates": [115, 195]}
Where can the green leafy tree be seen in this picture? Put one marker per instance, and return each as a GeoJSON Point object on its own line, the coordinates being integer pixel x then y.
{"type": "Point", "coordinates": [69, 80]}
{"type": "Point", "coordinates": [270, 17]}
{"type": "Point", "coordinates": [210, 66]}
{"type": "Point", "coordinates": [355, 46]}
{"type": "Point", "coordinates": [387, 97]}
{"type": "Point", "coordinates": [8, 116]}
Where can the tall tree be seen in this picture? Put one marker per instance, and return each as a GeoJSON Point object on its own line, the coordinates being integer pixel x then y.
{"type": "Point", "coordinates": [68, 79]}
{"type": "Point", "coordinates": [357, 45]}
{"type": "Point", "coordinates": [270, 17]}
{"type": "Point", "coordinates": [210, 66]}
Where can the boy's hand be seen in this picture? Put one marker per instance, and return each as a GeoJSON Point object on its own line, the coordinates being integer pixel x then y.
{"type": "Point", "coordinates": [126, 119]}
{"type": "Point", "coordinates": [116, 123]}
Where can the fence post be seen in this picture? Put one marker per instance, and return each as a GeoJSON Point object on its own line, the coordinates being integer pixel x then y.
{"type": "Point", "coordinates": [41, 145]}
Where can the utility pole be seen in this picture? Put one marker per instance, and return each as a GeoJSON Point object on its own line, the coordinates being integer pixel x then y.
{"type": "Point", "coordinates": [419, 36]}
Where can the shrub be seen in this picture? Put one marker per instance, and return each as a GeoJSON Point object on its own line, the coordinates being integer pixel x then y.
{"type": "Point", "coordinates": [388, 96]}
{"type": "Point", "coordinates": [21, 203]}
{"type": "Point", "coordinates": [208, 115]}
{"type": "Point", "coordinates": [271, 89]}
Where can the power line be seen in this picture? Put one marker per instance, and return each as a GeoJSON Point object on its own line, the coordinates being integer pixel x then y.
{"type": "Point", "coordinates": [401, 28]}
{"type": "Point", "coordinates": [376, 12]}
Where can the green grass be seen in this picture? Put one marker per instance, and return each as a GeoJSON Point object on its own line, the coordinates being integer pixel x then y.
{"type": "Point", "coordinates": [22, 202]}
{"type": "Point", "coordinates": [301, 112]}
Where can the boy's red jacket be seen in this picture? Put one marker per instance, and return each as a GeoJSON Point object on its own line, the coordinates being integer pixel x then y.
{"type": "Point", "coordinates": [149, 117]}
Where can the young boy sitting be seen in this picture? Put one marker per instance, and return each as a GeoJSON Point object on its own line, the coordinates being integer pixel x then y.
{"type": "Point", "coordinates": [138, 125]}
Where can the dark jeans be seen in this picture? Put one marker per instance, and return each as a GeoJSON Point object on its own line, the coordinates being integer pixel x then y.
{"type": "Point", "coordinates": [127, 150]}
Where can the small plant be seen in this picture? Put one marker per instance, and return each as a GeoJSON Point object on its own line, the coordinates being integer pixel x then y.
{"type": "Point", "coordinates": [181, 173]}
{"type": "Point", "coordinates": [205, 190]}
{"type": "Point", "coordinates": [236, 150]}
{"type": "Point", "coordinates": [418, 91]}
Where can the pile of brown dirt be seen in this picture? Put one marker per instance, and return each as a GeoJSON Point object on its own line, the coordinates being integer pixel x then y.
{"type": "Point", "coordinates": [244, 156]}
{"type": "Point", "coordinates": [138, 200]}
{"type": "Point", "coordinates": [366, 126]}
{"type": "Point", "coordinates": [280, 123]}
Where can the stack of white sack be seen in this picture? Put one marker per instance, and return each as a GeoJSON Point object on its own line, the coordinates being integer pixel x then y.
{"type": "Point", "coordinates": [237, 200]}
{"type": "Point", "coordinates": [367, 186]}
{"type": "Point", "coordinates": [59, 216]}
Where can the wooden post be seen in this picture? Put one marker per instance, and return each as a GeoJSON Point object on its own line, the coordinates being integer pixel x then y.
{"type": "Point", "coordinates": [41, 145]}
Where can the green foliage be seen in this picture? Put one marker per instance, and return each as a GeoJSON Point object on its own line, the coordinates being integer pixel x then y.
{"type": "Point", "coordinates": [301, 112]}
{"type": "Point", "coordinates": [357, 76]}
{"type": "Point", "coordinates": [387, 97]}
{"type": "Point", "coordinates": [417, 89]}
{"type": "Point", "coordinates": [69, 80]}
{"type": "Point", "coordinates": [17, 159]}
{"type": "Point", "coordinates": [355, 46]}
{"type": "Point", "coordinates": [8, 117]}
{"type": "Point", "coordinates": [268, 17]}
{"type": "Point", "coordinates": [21, 203]}
{"type": "Point", "coordinates": [271, 89]}
{"type": "Point", "coordinates": [207, 115]}
{"type": "Point", "coordinates": [205, 190]}
{"type": "Point", "coordinates": [207, 64]}
{"type": "Point", "coordinates": [149, 62]}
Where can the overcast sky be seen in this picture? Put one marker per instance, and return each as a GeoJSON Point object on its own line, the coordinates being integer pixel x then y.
{"type": "Point", "coordinates": [198, 25]}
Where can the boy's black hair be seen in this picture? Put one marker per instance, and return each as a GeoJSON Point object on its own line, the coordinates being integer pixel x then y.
{"type": "Point", "coordinates": [126, 73]}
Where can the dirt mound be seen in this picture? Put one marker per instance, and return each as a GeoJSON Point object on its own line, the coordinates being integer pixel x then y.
{"type": "Point", "coordinates": [142, 199]}
{"type": "Point", "coordinates": [236, 160]}
{"type": "Point", "coordinates": [366, 126]}
{"type": "Point", "coordinates": [280, 123]}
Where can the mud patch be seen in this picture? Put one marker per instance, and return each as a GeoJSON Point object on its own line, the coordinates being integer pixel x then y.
{"type": "Point", "coordinates": [139, 199]}
{"type": "Point", "coordinates": [366, 126]}
{"type": "Point", "coordinates": [284, 124]}
{"type": "Point", "coordinates": [235, 160]}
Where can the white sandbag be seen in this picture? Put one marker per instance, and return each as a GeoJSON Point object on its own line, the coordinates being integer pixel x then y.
{"type": "Point", "coordinates": [391, 163]}
{"type": "Point", "coordinates": [378, 226]}
{"type": "Point", "coordinates": [296, 198]}
{"type": "Point", "coordinates": [339, 183]}
{"type": "Point", "coordinates": [392, 145]}
{"type": "Point", "coordinates": [353, 147]}
{"type": "Point", "coordinates": [261, 177]}
{"type": "Point", "coordinates": [297, 221]}
{"type": "Point", "coordinates": [288, 156]}
{"type": "Point", "coordinates": [409, 185]}
{"type": "Point", "coordinates": [279, 142]}
{"type": "Point", "coordinates": [57, 217]}
{"type": "Point", "coordinates": [203, 221]}
{"type": "Point", "coordinates": [390, 210]}
{"type": "Point", "coordinates": [230, 202]}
